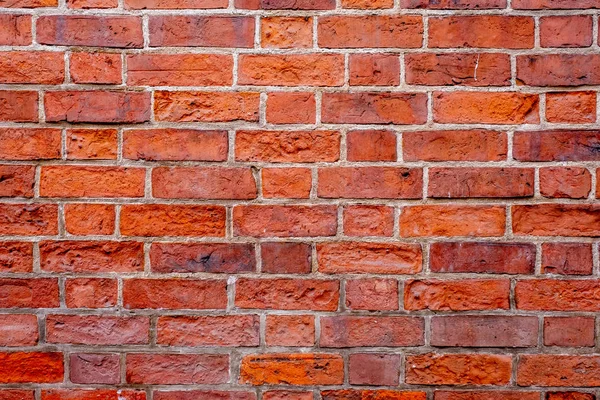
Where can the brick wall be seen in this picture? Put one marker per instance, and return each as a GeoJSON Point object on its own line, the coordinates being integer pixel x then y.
{"type": "Point", "coordinates": [299, 199]}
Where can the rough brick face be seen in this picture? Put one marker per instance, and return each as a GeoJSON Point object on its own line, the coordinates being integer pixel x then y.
{"type": "Point", "coordinates": [299, 200]}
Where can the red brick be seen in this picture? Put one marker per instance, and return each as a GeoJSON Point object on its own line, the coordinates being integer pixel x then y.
{"type": "Point", "coordinates": [556, 220]}
{"type": "Point", "coordinates": [84, 181]}
{"type": "Point", "coordinates": [31, 367]}
{"type": "Point", "coordinates": [287, 395]}
{"type": "Point", "coordinates": [558, 69]}
{"type": "Point", "coordinates": [554, 4]}
{"type": "Point", "coordinates": [364, 331]}
{"type": "Point", "coordinates": [282, 221]}
{"type": "Point", "coordinates": [175, 145]}
{"type": "Point", "coordinates": [203, 183]}
{"type": "Point", "coordinates": [202, 257]}
{"type": "Point", "coordinates": [465, 69]}
{"type": "Point", "coordinates": [367, 4]}
{"type": "Point", "coordinates": [573, 107]}
{"type": "Point", "coordinates": [371, 145]}
{"type": "Point", "coordinates": [172, 220]}
{"type": "Point", "coordinates": [35, 67]}
{"type": "Point", "coordinates": [101, 68]}
{"type": "Point", "coordinates": [92, 144]}
{"type": "Point", "coordinates": [569, 396]}
{"type": "Point", "coordinates": [97, 329]}
{"type": "Point", "coordinates": [9, 394]}
{"type": "Point", "coordinates": [556, 145]}
{"type": "Point", "coordinates": [558, 370]}
{"type": "Point", "coordinates": [203, 31]}
{"type": "Point", "coordinates": [364, 220]}
{"type": "Point", "coordinates": [175, 4]}
{"type": "Point", "coordinates": [370, 182]}
{"type": "Point", "coordinates": [458, 369]}
{"type": "Point", "coordinates": [294, 369]}
{"type": "Point", "coordinates": [453, 5]}
{"type": "Point", "coordinates": [92, 256]}
{"type": "Point", "coordinates": [97, 107]}
{"type": "Point", "coordinates": [176, 369]}
{"type": "Point", "coordinates": [566, 31]}
{"type": "Point", "coordinates": [557, 295]}
{"type": "Point", "coordinates": [574, 182]}
{"type": "Point", "coordinates": [291, 108]}
{"type": "Point", "coordinates": [293, 183]}
{"type": "Point", "coordinates": [286, 32]}
{"type": "Point", "coordinates": [285, 146]}
{"type": "Point", "coordinates": [287, 294]}
{"type": "Point", "coordinates": [179, 70]}
{"type": "Point", "coordinates": [86, 4]}
{"type": "Point", "coordinates": [16, 257]}
{"type": "Point", "coordinates": [28, 219]}
{"type": "Point", "coordinates": [19, 106]}
{"type": "Point", "coordinates": [404, 31]}
{"type": "Point", "coordinates": [172, 294]}
{"type": "Point", "coordinates": [484, 331]}
{"type": "Point", "coordinates": [482, 257]}
{"type": "Point", "coordinates": [483, 31]}
{"type": "Point", "coordinates": [374, 69]}
{"type": "Point", "coordinates": [96, 31]}
{"type": "Point", "coordinates": [485, 108]}
{"type": "Point", "coordinates": [379, 258]}
{"type": "Point", "coordinates": [480, 182]}
{"type": "Point", "coordinates": [286, 258]}
{"type": "Point", "coordinates": [230, 330]}
{"type": "Point", "coordinates": [374, 108]}
{"type": "Point", "coordinates": [17, 180]}
{"type": "Point", "coordinates": [463, 295]}
{"type": "Point", "coordinates": [206, 106]}
{"type": "Point", "coordinates": [28, 293]}
{"type": "Point", "coordinates": [94, 368]}
{"type": "Point", "coordinates": [452, 220]}
{"type": "Point", "coordinates": [15, 29]}
{"type": "Point", "coordinates": [567, 258]}
{"type": "Point", "coordinates": [291, 70]}
{"type": "Point", "coordinates": [202, 394]}
{"type": "Point", "coordinates": [297, 4]}
{"type": "Point", "coordinates": [18, 330]}
{"type": "Point", "coordinates": [569, 331]}
{"type": "Point", "coordinates": [91, 293]}
{"type": "Point", "coordinates": [475, 145]}
{"type": "Point", "coordinates": [372, 294]}
{"type": "Point", "coordinates": [354, 394]}
{"type": "Point", "coordinates": [290, 330]}
{"type": "Point", "coordinates": [98, 394]}
{"type": "Point", "coordinates": [374, 369]}
{"type": "Point", "coordinates": [485, 395]}
{"type": "Point", "coordinates": [90, 219]}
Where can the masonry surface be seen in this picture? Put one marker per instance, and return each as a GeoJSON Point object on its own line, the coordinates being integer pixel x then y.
{"type": "Point", "coordinates": [299, 200]}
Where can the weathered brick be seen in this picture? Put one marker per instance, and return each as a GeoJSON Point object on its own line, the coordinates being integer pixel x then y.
{"type": "Point", "coordinates": [465, 69]}
{"type": "Point", "coordinates": [371, 145]}
{"type": "Point", "coordinates": [368, 257]}
{"type": "Point", "coordinates": [15, 29]}
{"type": "Point", "coordinates": [97, 394]}
{"type": "Point", "coordinates": [557, 295]}
{"type": "Point", "coordinates": [175, 4]}
{"type": "Point", "coordinates": [90, 219]}
{"type": "Point", "coordinates": [293, 183]}
{"type": "Point", "coordinates": [16, 257]}
{"type": "Point", "coordinates": [480, 182]}
{"type": "Point", "coordinates": [204, 394]}
{"type": "Point", "coordinates": [291, 108]}
{"type": "Point", "coordinates": [370, 182]}
{"type": "Point", "coordinates": [92, 144]}
{"type": "Point", "coordinates": [296, 369]}
{"type": "Point", "coordinates": [365, 331]}
{"type": "Point", "coordinates": [565, 182]}
{"type": "Point", "coordinates": [569, 331]}
{"type": "Point", "coordinates": [374, 69]}
{"type": "Point", "coordinates": [172, 294]}
{"type": "Point", "coordinates": [571, 107]}
{"type": "Point", "coordinates": [566, 31]}
{"type": "Point", "coordinates": [177, 369]}
{"type": "Point", "coordinates": [482, 257]}
{"type": "Point", "coordinates": [567, 258]}
{"type": "Point", "coordinates": [290, 330]}
{"type": "Point", "coordinates": [200, 257]}
{"type": "Point", "coordinates": [286, 32]}
{"type": "Point", "coordinates": [28, 219]}
{"type": "Point", "coordinates": [94, 368]}
{"type": "Point", "coordinates": [14, 394]}
{"type": "Point", "coordinates": [484, 331]}
{"type": "Point", "coordinates": [31, 367]}
{"type": "Point", "coordinates": [281, 221]}
{"type": "Point", "coordinates": [556, 220]}
{"type": "Point", "coordinates": [175, 145]}
{"type": "Point", "coordinates": [91, 256]}
{"type": "Point", "coordinates": [286, 146]}
{"type": "Point", "coordinates": [33, 67]}
{"type": "Point", "coordinates": [453, 4]}
{"type": "Point", "coordinates": [21, 106]}
{"type": "Point", "coordinates": [452, 220]}
{"type": "Point", "coordinates": [485, 395]}
{"type": "Point", "coordinates": [91, 292]}
{"type": "Point", "coordinates": [204, 31]}
{"type": "Point", "coordinates": [287, 294]}
{"type": "Point", "coordinates": [558, 69]}
{"type": "Point", "coordinates": [404, 31]}
{"type": "Point", "coordinates": [556, 145]}
{"type": "Point", "coordinates": [558, 370]}
{"type": "Point", "coordinates": [463, 295]}
{"type": "Point", "coordinates": [238, 331]}
{"type": "Point", "coordinates": [17, 180]}
{"type": "Point", "coordinates": [475, 145]}
{"type": "Point", "coordinates": [100, 68]}
{"type": "Point", "coordinates": [18, 330]}
{"type": "Point", "coordinates": [287, 395]}
{"type": "Point", "coordinates": [458, 369]}
{"type": "Point", "coordinates": [365, 220]}
{"type": "Point", "coordinates": [97, 329]}
{"type": "Point", "coordinates": [206, 106]}
{"type": "Point", "coordinates": [372, 294]}
{"type": "Point", "coordinates": [29, 293]}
